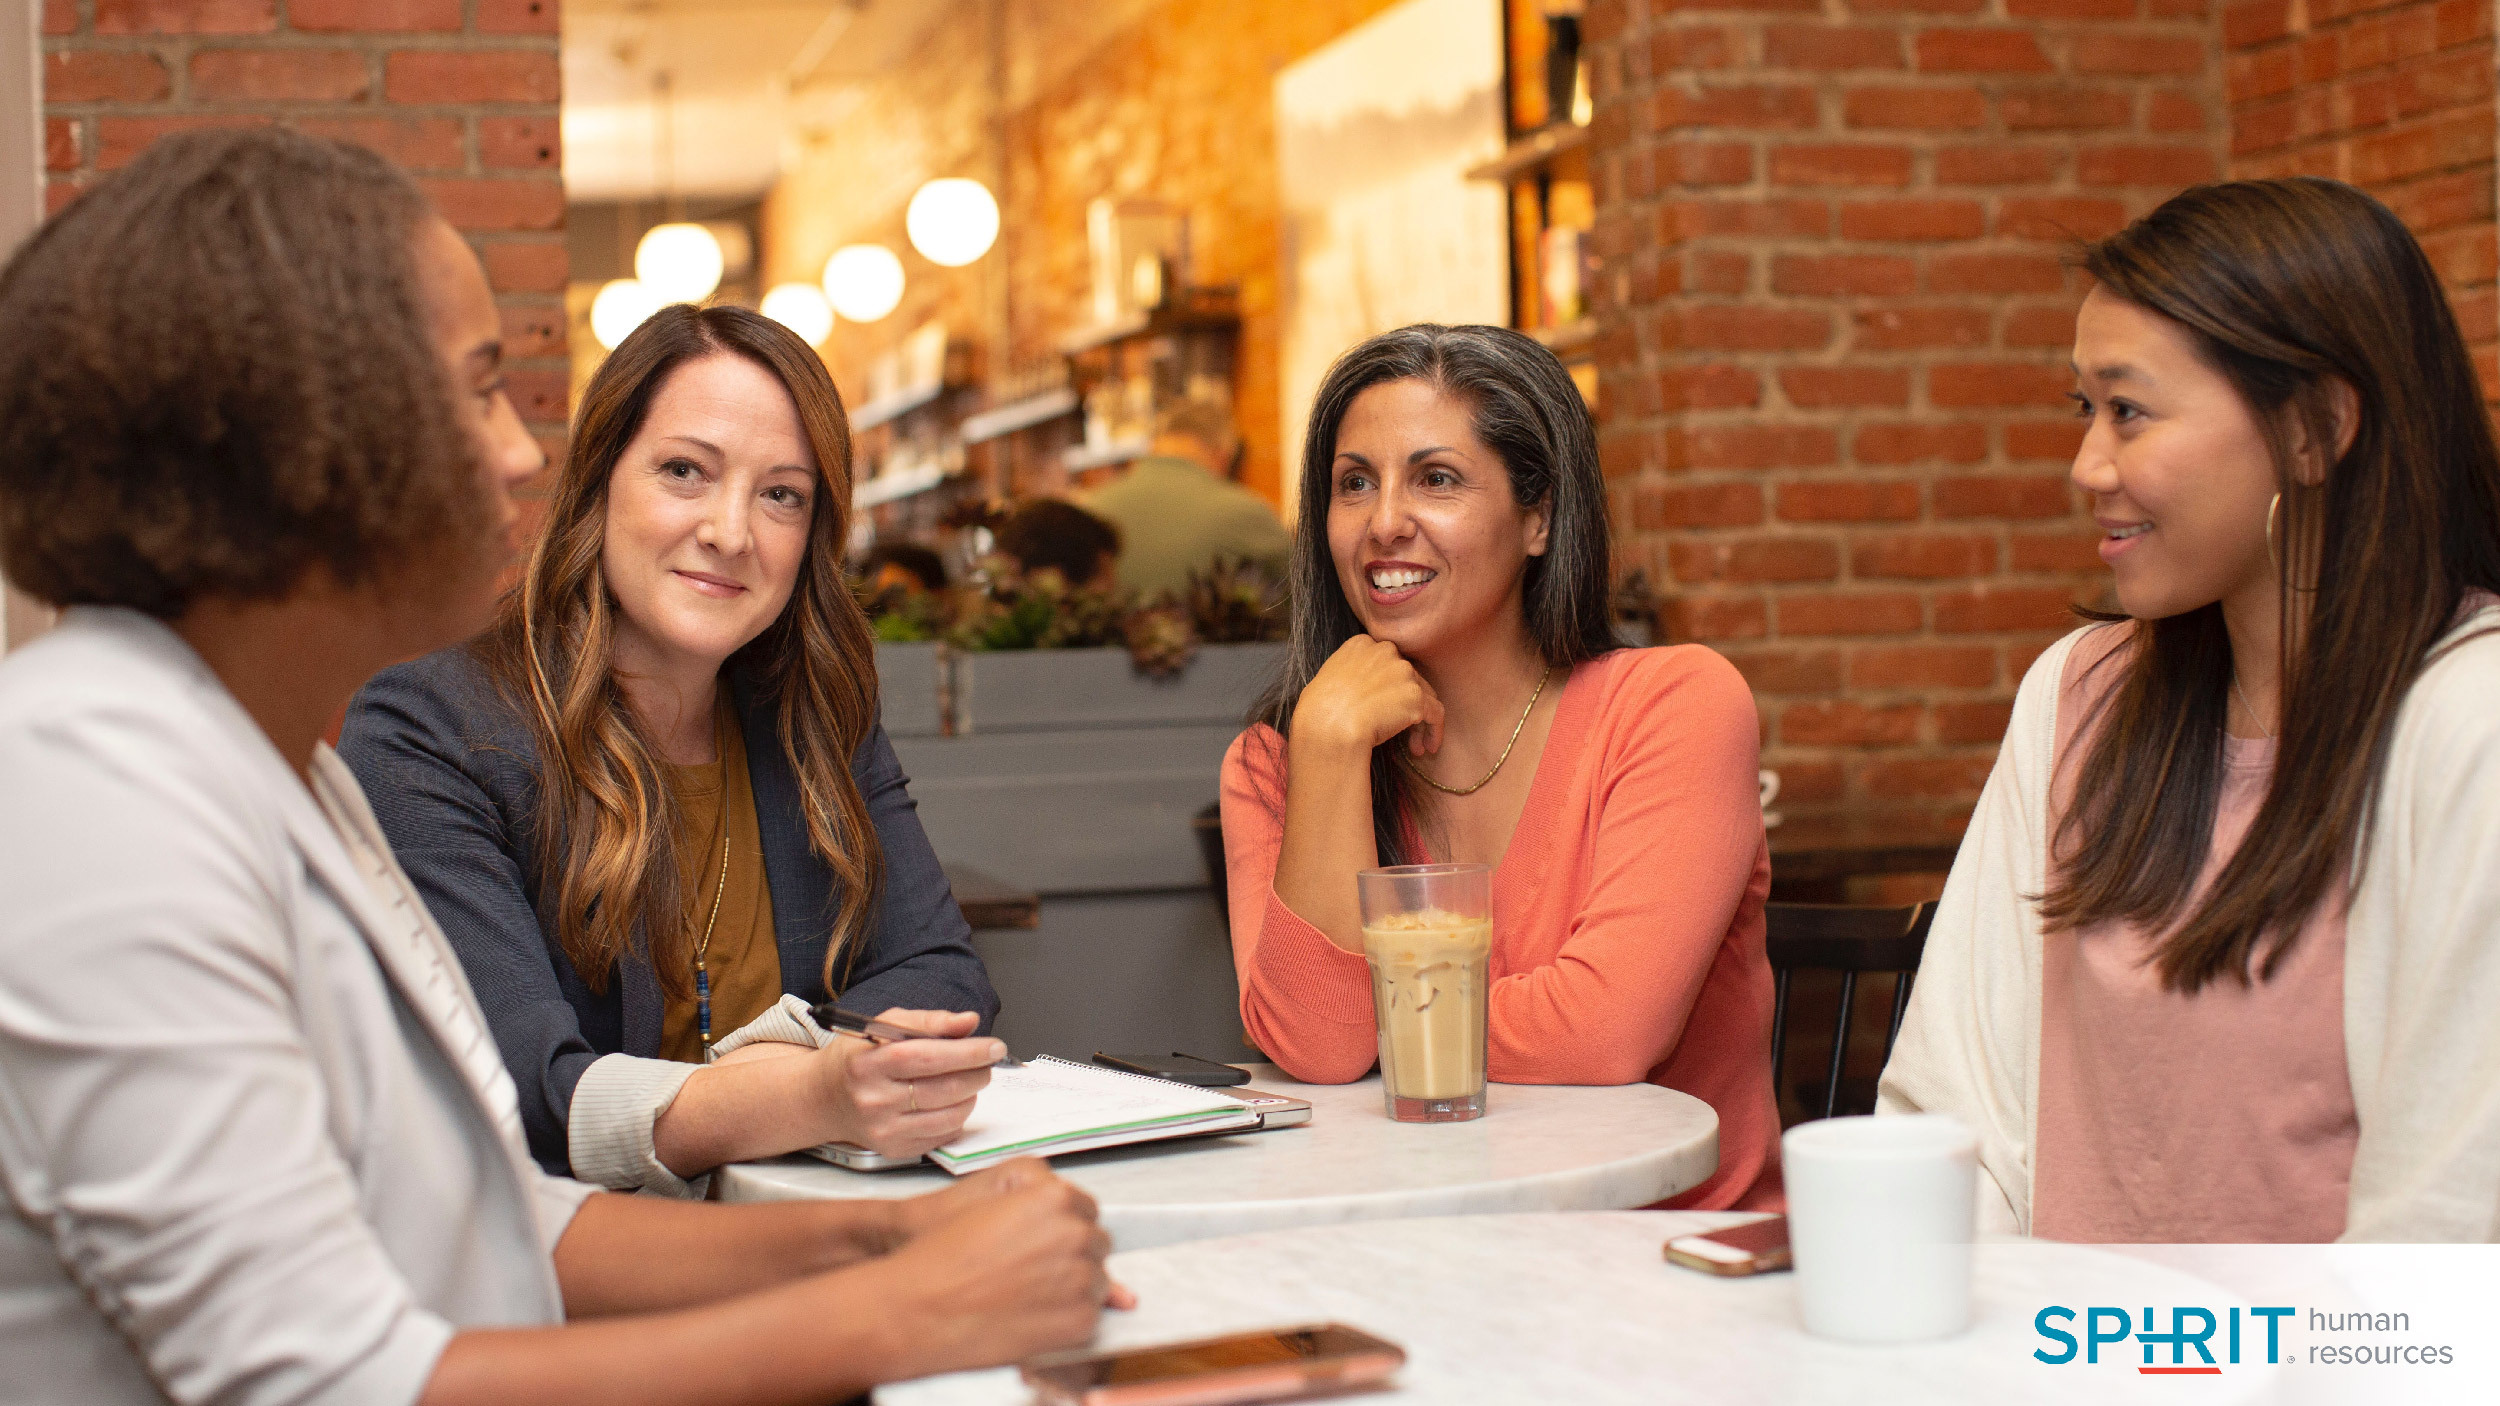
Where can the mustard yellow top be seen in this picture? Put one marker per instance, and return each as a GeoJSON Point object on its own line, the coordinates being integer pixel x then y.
{"type": "Point", "coordinates": [744, 961]}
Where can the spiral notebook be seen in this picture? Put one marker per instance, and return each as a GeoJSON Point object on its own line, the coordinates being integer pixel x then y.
{"type": "Point", "coordinates": [1051, 1106]}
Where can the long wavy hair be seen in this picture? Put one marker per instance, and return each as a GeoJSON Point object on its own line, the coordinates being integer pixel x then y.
{"type": "Point", "coordinates": [1527, 411]}
{"type": "Point", "coordinates": [2287, 286]}
{"type": "Point", "coordinates": [607, 822]}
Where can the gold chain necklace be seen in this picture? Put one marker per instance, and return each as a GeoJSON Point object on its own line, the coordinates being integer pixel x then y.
{"type": "Point", "coordinates": [1422, 776]}
{"type": "Point", "coordinates": [703, 949]}
{"type": "Point", "coordinates": [2252, 709]}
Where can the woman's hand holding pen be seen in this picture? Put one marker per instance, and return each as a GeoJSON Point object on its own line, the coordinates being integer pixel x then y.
{"type": "Point", "coordinates": [899, 1098]}
{"type": "Point", "coordinates": [905, 1097]}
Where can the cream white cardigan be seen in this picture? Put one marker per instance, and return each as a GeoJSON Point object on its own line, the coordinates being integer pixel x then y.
{"type": "Point", "coordinates": [2421, 963]}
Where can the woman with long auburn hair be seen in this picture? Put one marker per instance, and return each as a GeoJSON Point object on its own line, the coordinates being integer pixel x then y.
{"type": "Point", "coordinates": [1454, 692]}
{"type": "Point", "coordinates": [2219, 955]}
{"type": "Point", "coordinates": [652, 804]}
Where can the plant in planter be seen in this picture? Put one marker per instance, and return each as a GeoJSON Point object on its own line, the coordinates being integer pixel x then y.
{"type": "Point", "coordinates": [1233, 602]}
{"type": "Point", "coordinates": [1006, 608]}
{"type": "Point", "coordinates": [1161, 639]}
{"type": "Point", "coordinates": [899, 616]}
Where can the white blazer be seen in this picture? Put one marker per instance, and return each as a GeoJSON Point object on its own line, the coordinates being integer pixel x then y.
{"type": "Point", "coordinates": [258, 1143]}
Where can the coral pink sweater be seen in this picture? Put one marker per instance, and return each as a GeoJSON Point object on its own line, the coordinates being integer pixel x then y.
{"type": "Point", "coordinates": [1627, 912]}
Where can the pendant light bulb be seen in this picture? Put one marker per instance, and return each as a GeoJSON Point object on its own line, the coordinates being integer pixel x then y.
{"type": "Point", "coordinates": [864, 282]}
{"type": "Point", "coordinates": [952, 221]}
{"type": "Point", "coordinates": [682, 263]}
{"type": "Point", "coordinates": [622, 305]}
{"type": "Point", "coordinates": [802, 308]}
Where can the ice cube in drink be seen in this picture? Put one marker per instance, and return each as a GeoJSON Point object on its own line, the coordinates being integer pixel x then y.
{"type": "Point", "coordinates": [1429, 972]}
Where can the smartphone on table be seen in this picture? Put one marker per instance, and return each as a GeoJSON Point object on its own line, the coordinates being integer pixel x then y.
{"type": "Point", "coordinates": [1756, 1247]}
{"type": "Point", "coordinates": [1176, 1067]}
{"type": "Point", "coordinates": [1275, 1365]}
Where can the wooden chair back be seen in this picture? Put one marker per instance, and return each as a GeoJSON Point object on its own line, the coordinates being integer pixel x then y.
{"type": "Point", "coordinates": [1852, 941]}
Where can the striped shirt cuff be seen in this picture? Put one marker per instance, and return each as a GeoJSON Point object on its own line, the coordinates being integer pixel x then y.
{"type": "Point", "coordinates": [608, 1132]}
{"type": "Point", "coordinates": [786, 1020]}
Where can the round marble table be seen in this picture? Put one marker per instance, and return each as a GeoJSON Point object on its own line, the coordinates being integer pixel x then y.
{"type": "Point", "coordinates": [1539, 1147]}
{"type": "Point", "coordinates": [1583, 1308]}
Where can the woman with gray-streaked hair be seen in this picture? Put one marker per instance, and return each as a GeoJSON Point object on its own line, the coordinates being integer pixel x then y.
{"type": "Point", "coordinates": [1454, 692]}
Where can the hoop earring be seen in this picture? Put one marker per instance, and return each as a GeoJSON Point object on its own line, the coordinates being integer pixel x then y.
{"type": "Point", "coordinates": [2271, 560]}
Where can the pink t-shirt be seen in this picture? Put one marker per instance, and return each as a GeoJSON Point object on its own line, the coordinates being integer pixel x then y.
{"type": "Point", "coordinates": [2221, 1116]}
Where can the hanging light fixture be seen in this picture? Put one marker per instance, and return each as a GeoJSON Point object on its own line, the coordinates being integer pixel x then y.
{"type": "Point", "coordinates": [802, 308]}
{"type": "Point", "coordinates": [681, 263]}
{"type": "Point", "coordinates": [622, 305]}
{"type": "Point", "coordinates": [952, 221]}
{"type": "Point", "coordinates": [864, 282]}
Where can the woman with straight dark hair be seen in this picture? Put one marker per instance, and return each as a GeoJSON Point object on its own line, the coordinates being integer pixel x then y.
{"type": "Point", "coordinates": [652, 805]}
{"type": "Point", "coordinates": [1454, 692]}
{"type": "Point", "coordinates": [255, 1143]}
{"type": "Point", "coordinates": [2219, 957]}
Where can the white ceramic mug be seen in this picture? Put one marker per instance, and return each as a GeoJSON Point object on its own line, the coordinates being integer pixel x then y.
{"type": "Point", "coordinates": [1880, 1216]}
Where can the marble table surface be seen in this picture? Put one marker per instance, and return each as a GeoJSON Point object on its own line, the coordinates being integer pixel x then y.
{"type": "Point", "coordinates": [1539, 1147]}
{"type": "Point", "coordinates": [1583, 1308]}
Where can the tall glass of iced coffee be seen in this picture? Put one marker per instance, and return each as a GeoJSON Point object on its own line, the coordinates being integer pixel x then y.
{"type": "Point", "coordinates": [1428, 932]}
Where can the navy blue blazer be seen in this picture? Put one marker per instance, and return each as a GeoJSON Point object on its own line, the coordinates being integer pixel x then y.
{"type": "Point", "coordinates": [451, 771]}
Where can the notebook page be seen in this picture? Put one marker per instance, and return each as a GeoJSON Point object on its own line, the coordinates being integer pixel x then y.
{"type": "Point", "coordinates": [1054, 1099]}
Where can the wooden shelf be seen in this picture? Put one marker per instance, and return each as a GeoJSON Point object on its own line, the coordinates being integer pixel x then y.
{"type": "Point", "coordinates": [1209, 308]}
{"type": "Point", "coordinates": [1570, 337]}
{"type": "Point", "coordinates": [895, 406]}
{"type": "Point", "coordinates": [1019, 415]}
{"type": "Point", "coordinates": [1532, 152]}
{"type": "Point", "coordinates": [888, 488]}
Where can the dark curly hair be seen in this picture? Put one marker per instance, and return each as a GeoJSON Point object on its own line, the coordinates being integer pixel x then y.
{"type": "Point", "coordinates": [219, 375]}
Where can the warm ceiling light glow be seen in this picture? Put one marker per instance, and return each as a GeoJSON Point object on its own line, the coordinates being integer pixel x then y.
{"type": "Point", "coordinates": [952, 221]}
{"type": "Point", "coordinates": [681, 263]}
{"type": "Point", "coordinates": [621, 306]}
{"type": "Point", "coordinates": [864, 281]}
{"type": "Point", "coordinates": [802, 308]}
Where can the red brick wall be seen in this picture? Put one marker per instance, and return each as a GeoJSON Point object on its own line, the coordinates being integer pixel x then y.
{"type": "Point", "coordinates": [2393, 97]}
{"type": "Point", "coordinates": [1834, 336]}
{"type": "Point", "coordinates": [461, 92]}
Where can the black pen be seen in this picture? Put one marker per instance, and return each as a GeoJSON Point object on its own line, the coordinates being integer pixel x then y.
{"type": "Point", "coordinates": [842, 1022]}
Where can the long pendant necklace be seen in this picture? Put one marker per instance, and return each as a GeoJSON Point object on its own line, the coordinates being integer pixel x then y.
{"type": "Point", "coordinates": [1425, 778]}
{"type": "Point", "coordinates": [703, 949]}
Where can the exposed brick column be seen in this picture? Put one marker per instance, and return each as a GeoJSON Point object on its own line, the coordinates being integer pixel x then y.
{"type": "Point", "coordinates": [461, 92]}
{"type": "Point", "coordinates": [2394, 96]}
{"type": "Point", "coordinates": [1835, 329]}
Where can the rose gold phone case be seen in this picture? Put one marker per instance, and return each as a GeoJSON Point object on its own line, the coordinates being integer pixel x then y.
{"type": "Point", "coordinates": [1281, 1381]}
{"type": "Point", "coordinates": [1760, 1264]}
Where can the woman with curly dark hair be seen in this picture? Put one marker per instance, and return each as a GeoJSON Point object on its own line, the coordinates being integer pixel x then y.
{"type": "Point", "coordinates": [258, 1145]}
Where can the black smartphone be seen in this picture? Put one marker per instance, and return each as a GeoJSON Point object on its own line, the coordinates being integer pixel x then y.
{"type": "Point", "coordinates": [1179, 1068]}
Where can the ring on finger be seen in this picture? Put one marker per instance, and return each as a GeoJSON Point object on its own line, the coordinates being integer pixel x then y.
{"type": "Point", "coordinates": [911, 1090]}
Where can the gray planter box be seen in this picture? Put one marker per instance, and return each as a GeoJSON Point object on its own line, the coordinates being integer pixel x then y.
{"type": "Point", "coordinates": [907, 689]}
{"type": "Point", "coordinates": [1071, 774]}
{"type": "Point", "coordinates": [1099, 810]}
{"type": "Point", "coordinates": [1035, 690]}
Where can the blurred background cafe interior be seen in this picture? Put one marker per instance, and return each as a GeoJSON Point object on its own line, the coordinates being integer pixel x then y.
{"type": "Point", "coordinates": [1047, 249]}
{"type": "Point", "coordinates": [1804, 264]}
